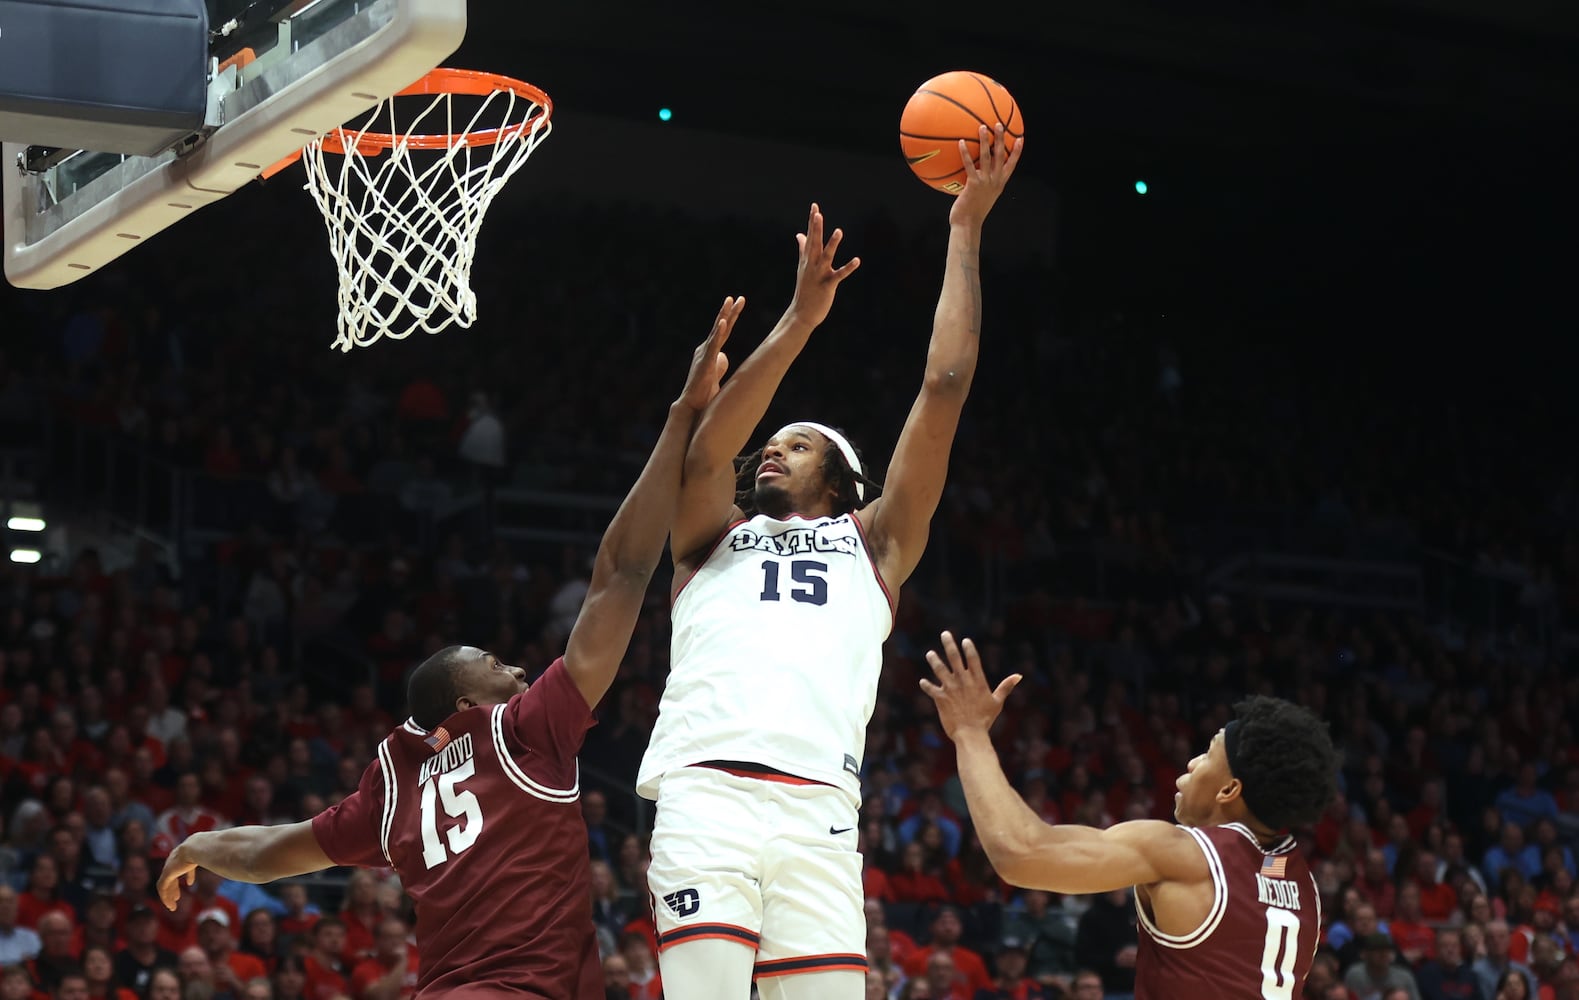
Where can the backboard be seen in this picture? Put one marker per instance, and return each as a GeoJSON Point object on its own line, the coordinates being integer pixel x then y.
{"type": "Point", "coordinates": [281, 73]}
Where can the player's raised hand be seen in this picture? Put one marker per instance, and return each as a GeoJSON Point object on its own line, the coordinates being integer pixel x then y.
{"type": "Point", "coordinates": [984, 181]}
{"type": "Point", "coordinates": [816, 279]}
{"type": "Point", "coordinates": [709, 363]}
{"type": "Point", "coordinates": [961, 694]}
{"type": "Point", "coordinates": [180, 866]}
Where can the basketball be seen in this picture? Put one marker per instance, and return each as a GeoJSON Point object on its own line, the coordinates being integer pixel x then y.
{"type": "Point", "coordinates": [946, 109]}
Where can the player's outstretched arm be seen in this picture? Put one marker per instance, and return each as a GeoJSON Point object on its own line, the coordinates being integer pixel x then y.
{"type": "Point", "coordinates": [708, 496]}
{"type": "Point", "coordinates": [900, 519]}
{"type": "Point", "coordinates": [1024, 850]}
{"type": "Point", "coordinates": [633, 543]}
{"type": "Point", "coordinates": [245, 854]}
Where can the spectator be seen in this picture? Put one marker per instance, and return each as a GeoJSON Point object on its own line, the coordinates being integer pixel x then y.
{"type": "Point", "coordinates": [15, 983]}
{"type": "Point", "coordinates": [1415, 941]}
{"type": "Point", "coordinates": [1543, 921]}
{"type": "Point", "coordinates": [914, 882]}
{"type": "Point", "coordinates": [361, 916]}
{"type": "Point", "coordinates": [186, 817]}
{"type": "Point", "coordinates": [944, 980]}
{"type": "Point", "coordinates": [1050, 934]}
{"type": "Point", "coordinates": [1377, 885]}
{"type": "Point", "coordinates": [391, 971]}
{"type": "Point", "coordinates": [1496, 965]}
{"type": "Point", "coordinates": [1510, 853]}
{"type": "Point", "coordinates": [1376, 974]}
{"type": "Point", "coordinates": [947, 929]}
{"type": "Point", "coordinates": [1107, 940]}
{"type": "Point", "coordinates": [290, 979]}
{"type": "Point", "coordinates": [1448, 976]}
{"type": "Point", "coordinates": [57, 953]}
{"type": "Point", "coordinates": [595, 810]}
{"type": "Point", "coordinates": [43, 893]}
{"type": "Point", "coordinates": [135, 963]}
{"type": "Point", "coordinates": [1088, 985]}
{"type": "Point", "coordinates": [17, 944]}
{"type": "Point", "coordinates": [231, 968]}
{"type": "Point", "coordinates": [98, 968]}
{"type": "Point", "coordinates": [1525, 802]}
{"type": "Point", "coordinates": [324, 965]}
{"type": "Point", "coordinates": [165, 984]}
{"type": "Point", "coordinates": [1011, 983]}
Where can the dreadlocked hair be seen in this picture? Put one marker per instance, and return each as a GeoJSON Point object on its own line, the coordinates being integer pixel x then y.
{"type": "Point", "coordinates": [1285, 761]}
{"type": "Point", "coordinates": [834, 469]}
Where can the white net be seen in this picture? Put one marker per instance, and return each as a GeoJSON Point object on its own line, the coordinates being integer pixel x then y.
{"type": "Point", "coordinates": [403, 225]}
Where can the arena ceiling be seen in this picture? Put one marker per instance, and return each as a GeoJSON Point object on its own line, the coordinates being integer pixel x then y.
{"type": "Point", "coordinates": [1213, 72]}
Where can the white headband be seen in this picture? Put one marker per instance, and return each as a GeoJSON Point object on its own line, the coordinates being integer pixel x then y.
{"type": "Point", "coordinates": [845, 449]}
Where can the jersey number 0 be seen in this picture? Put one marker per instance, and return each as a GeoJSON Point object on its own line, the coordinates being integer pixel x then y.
{"type": "Point", "coordinates": [1277, 957]}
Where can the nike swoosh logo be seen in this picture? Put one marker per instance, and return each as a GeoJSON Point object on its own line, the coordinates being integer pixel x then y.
{"type": "Point", "coordinates": [836, 832]}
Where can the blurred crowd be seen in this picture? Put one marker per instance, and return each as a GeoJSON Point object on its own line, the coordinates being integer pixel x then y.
{"type": "Point", "coordinates": [353, 520]}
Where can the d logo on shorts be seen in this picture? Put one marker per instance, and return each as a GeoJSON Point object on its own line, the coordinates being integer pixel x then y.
{"type": "Point", "coordinates": [684, 903]}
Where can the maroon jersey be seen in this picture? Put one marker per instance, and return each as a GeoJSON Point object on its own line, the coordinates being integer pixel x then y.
{"type": "Point", "coordinates": [1258, 939]}
{"type": "Point", "coordinates": [482, 821]}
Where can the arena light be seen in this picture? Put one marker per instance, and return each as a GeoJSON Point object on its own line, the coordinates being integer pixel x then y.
{"type": "Point", "coordinates": [1141, 187]}
{"type": "Point", "coordinates": [664, 114]}
{"type": "Point", "coordinates": [26, 555]}
{"type": "Point", "coordinates": [25, 524]}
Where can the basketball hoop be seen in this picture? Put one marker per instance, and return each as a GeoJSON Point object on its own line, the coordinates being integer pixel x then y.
{"type": "Point", "coordinates": [403, 230]}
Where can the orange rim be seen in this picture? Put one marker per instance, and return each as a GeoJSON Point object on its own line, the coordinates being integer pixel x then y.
{"type": "Point", "coordinates": [464, 82]}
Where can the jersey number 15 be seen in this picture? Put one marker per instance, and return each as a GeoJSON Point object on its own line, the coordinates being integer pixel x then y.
{"type": "Point", "coordinates": [459, 804]}
{"type": "Point", "coordinates": [807, 572]}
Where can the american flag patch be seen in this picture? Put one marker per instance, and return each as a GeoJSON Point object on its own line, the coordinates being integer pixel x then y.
{"type": "Point", "coordinates": [1271, 867]}
{"type": "Point", "coordinates": [440, 738]}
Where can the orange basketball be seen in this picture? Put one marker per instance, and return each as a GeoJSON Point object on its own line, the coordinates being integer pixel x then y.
{"type": "Point", "coordinates": [946, 109]}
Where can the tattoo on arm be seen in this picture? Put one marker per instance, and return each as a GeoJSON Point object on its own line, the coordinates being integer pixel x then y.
{"type": "Point", "coordinates": [967, 261]}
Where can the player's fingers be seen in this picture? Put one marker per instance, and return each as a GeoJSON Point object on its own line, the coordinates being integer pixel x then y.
{"type": "Point", "coordinates": [718, 321]}
{"type": "Point", "coordinates": [833, 244]}
{"type": "Point", "coordinates": [971, 173]}
{"type": "Point", "coordinates": [726, 317]}
{"type": "Point", "coordinates": [847, 270]}
{"type": "Point", "coordinates": [972, 658]}
{"type": "Point", "coordinates": [720, 367]}
{"type": "Point", "coordinates": [814, 229]}
{"type": "Point", "coordinates": [999, 153]}
{"type": "Point", "coordinates": [932, 690]}
{"type": "Point", "coordinates": [800, 243]}
{"type": "Point", "coordinates": [938, 666]}
{"type": "Point", "coordinates": [1008, 684]}
{"type": "Point", "coordinates": [951, 648]}
{"type": "Point", "coordinates": [1014, 157]}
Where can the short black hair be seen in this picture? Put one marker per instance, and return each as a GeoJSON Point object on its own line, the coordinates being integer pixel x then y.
{"type": "Point", "coordinates": [434, 686]}
{"type": "Point", "coordinates": [1285, 762]}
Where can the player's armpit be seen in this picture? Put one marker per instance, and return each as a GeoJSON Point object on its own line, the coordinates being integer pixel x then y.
{"type": "Point", "coordinates": [1083, 859]}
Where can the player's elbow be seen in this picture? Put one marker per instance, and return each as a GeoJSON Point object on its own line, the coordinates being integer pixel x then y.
{"type": "Point", "coordinates": [1012, 854]}
{"type": "Point", "coordinates": [626, 567]}
{"type": "Point", "coordinates": [949, 381]}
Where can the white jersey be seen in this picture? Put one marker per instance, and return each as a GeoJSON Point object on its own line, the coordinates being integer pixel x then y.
{"type": "Point", "coordinates": [777, 649]}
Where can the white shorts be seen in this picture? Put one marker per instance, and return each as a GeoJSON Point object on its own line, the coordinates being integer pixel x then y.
{"type": "Point", "coordinates": [770, 865]}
